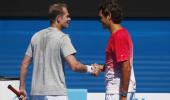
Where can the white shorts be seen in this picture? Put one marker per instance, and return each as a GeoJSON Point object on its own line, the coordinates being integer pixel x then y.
{"type": "Point", "coordinates": [130, 96]}
{"type": "Point", "coordinates": [35, 97]}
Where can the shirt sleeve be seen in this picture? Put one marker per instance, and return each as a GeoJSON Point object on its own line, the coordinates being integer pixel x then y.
{"type": "Point", "coordinates": [29, 51]}
{"type": "Point", "coordinates": [67, 47]}
{"type": "Point", "coordinates": [122, 48]}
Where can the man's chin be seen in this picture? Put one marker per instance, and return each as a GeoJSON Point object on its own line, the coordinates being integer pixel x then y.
{"type": "Point", "coordinates": [66, 26]}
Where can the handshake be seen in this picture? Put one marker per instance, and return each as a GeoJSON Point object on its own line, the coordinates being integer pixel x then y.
{"type": "Point", "coordinates": [94, 69]}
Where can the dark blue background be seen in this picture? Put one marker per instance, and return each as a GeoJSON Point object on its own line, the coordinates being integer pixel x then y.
{"type": "Point", "coordinates": [151, 51]}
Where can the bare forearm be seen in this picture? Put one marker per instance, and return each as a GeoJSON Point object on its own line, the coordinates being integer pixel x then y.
{"type": "Point", "coordinates": [23, 73]}
{"type": "Point", "coordinates": [79, 67]}
{"type": "Point", "coordinates": [126, 71]}
{"type": "Point", "coordinates": [75, 64]}
{"type": "Point", "coordinates": [24, 70]}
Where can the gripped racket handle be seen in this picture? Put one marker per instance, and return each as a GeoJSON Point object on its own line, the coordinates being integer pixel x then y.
{"type": "Point", "coordinates": [14, 90]}
{"type": "Point", "coordinates": [19, 95]}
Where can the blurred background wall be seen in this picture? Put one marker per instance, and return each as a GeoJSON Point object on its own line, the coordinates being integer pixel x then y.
{"type": "Point", "coordinates": [148, 22]}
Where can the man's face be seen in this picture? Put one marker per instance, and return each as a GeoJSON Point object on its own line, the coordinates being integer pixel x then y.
{"type": "Point", "coordinates": [64, 22]}
{"type": "Point", "coordinates": [103, 19]}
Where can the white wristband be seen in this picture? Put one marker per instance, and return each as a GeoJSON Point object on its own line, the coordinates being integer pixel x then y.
{"type": "Point", "coordinates": [89, 68]}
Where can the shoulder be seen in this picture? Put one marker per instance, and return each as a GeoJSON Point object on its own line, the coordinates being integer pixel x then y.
{"type": "Point", "coordinates": [122, 34]}
{"type": "Point", "coordinates": [65, 37]}
{"type": "Point", "coordinates": [38, 33]}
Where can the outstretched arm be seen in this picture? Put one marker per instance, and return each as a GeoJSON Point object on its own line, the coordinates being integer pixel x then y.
{"type": "Point", "coordinates": [77, 66]}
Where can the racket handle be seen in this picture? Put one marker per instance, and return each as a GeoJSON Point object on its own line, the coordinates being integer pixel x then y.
{"type": "Point", "coordinates": [15, 91]}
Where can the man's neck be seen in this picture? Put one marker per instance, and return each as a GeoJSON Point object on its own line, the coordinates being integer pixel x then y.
{"type": "Point", "coordinates": [115, 27]}
{"type": "Point", "coordinates": [58, 27]}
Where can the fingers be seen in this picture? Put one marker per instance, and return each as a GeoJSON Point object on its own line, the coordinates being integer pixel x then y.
{"type": "Point", "coordinates": [23, 94]}
{"type": "Point", "coordinates": [23, 97]}
{"type": "Point", "coordinates": [96, 69]}
{"type": "Point", "coordinates": [98, 66]}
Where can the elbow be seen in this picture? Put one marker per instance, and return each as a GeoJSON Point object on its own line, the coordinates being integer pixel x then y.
{"type": "Point", "coordinates": [126, 68]}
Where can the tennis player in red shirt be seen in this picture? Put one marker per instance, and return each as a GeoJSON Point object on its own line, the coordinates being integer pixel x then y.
{"type": "Point", "coordinates": [119, 73]}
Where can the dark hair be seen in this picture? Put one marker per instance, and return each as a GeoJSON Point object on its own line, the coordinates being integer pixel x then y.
{"type": "Point", "coordinates": [113, 8]}
{"type": "Point", "coordinates": [55, 10]}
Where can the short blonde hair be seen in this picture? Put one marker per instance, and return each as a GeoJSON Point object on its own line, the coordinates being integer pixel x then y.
{"type": "Point", "coordinates": [55, 10]}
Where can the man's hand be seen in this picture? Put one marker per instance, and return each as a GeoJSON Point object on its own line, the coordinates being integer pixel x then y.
{"type": "Point", "coordinates": [96, 69]}
{"type": "Point", "coordinates": [23, 92]}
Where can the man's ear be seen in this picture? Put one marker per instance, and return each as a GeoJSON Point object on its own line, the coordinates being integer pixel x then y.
{"type": "Point", "coordinates": [109, 16]}
{"type": "Point", "coordinates": [58, 19]}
